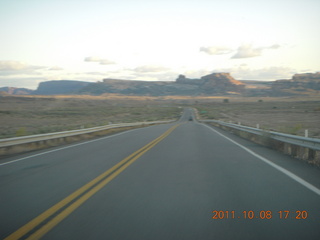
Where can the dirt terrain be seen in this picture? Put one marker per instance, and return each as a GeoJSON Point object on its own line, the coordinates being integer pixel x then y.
{"type": "Point", "coordinates": [287, 115]}
{"type": "Point", "coordinates": [24, 115]}
{"type": "Point", "coordinates": [35, 115]}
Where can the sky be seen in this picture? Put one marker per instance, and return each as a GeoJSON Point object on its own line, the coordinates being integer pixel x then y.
{"type": "Point", "coordinates": [156, 40]}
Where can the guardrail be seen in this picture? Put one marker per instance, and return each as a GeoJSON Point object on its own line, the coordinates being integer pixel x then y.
{"type": "Point", "coordinates": [9, 142]}
{"type": "Point", "coordinates": [304, 148]}
{"type": "Point", "coordinates": [313, 143]}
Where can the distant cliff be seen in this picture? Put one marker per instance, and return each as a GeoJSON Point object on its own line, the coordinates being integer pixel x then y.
{"type": "Point", "coordinates": [213, 84]}
{"type": "Point", "coordinates": [60, 87]}
{"type": "Point", "coordinates": [140, 88]}
{"type": "Point", "coordinates": [307, 77]}
{"type": "Point", "coordinates": [299, 84]}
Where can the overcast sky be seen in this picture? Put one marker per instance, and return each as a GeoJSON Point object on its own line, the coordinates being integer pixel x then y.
{"type": "Point", "coordinates": [90, 40]}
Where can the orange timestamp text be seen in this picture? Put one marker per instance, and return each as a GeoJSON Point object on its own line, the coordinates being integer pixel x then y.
{"type": "Point", "coordinates": [283, 214]}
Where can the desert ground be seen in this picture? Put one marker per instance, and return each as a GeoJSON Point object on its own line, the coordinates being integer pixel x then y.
{"type": "Point", "coordinates": [287, 115]}
{"type": "Point", "coordinates": [25, 115]}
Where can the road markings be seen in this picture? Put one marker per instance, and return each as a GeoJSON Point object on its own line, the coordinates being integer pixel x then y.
{"type": "Point", "coordinates": [281, 169]}
{"type": "Point", "coordinates": [65, 147]}
{"type": "Point", "coordinates": [42, 224]}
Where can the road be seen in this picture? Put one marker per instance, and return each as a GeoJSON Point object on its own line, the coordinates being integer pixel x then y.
{"type": "Point", "coordinates": [184, 180]}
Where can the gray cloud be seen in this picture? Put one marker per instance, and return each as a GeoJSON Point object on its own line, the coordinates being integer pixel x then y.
{"type": "Point", "coordinates": [17, 68]}
{"type": "Point", "coordinates": [106, 62]}
{"type": "Point", "coordinates": [243, 51]}
{"type": "Point", "coordinates": [12, 65]}
{"type": "Point", "coordinates": [216, 50]}
{"type": "Point", "coordinates": [274, 46]}
{"type": "Point", "coordinates": [248, 51]}
{"type": "Point", "coordinates": [92, 59]}
{"type": "Point", "coordinates": [101, 61]}
{"type": "Point", "coordinates": [55, 68]}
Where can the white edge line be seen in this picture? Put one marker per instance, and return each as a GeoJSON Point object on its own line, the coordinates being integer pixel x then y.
{"type": "Point", "coordinates": [281, 169]}
{"type": "Point", "coordinates": [70, 146]}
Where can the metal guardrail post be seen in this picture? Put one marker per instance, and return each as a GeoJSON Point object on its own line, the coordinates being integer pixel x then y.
{"type": "Point", "coordinates": [308, 142]}
{"type": "Point", "coordinates": [6, 142]}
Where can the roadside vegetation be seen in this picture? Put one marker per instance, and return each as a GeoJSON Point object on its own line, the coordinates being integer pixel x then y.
{"type": "Point", "coordinates": [286, 115]}
{"type": "Point", "coordinates": [25, 115]}
{"type": "Point", "coordinates": [21, 116]}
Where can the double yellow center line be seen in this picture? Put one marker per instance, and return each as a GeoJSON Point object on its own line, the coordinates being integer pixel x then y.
{"type": "Point", "coordinates": [43, 223]}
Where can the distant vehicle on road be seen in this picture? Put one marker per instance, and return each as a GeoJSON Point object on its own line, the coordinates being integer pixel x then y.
{"type": "Point", "coordinates": [190, 119]}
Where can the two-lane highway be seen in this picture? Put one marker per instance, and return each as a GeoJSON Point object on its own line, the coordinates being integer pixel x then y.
{"type": "Point", "coordinates": [183, 180]}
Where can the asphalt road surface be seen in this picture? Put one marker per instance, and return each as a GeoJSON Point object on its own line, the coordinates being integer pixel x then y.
{"type": "Point", "coordinates": [184, 180]}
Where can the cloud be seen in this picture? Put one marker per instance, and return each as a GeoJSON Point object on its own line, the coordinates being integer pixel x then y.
{"type": "Point", "coordinates": [55, 68]}
{"type": "Point", "coordinates": [243, 51]}
{"type": "Point", "coordinates": [101, 61]}
{"type": "Point", "coordinates": [274, 46]}
{"type": "Point", "coordinates": [106, 62]}
{"type": "Point", "coordinates": [248, 51]}
{"type": "Point", "coordinates": [92, 59]}
{"type": "Point", "coordinates": [16, 68]}
{"type": "Point", "coordinates": [11, 65]}
{"type": "Point", "coordinates": [216, 50]}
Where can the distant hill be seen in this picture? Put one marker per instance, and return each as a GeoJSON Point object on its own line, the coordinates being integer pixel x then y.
{"type": "Point", "coordinates": [215, 84]}
{"type": "Point", "coordinates": [212, 84]}
{"type": "Point", "coordinates": [15, 91]}
{"type": "Point", "coordinates": [60, 87]}
{"type": "Point", "coordinates": [130, 87]}
{"type": "Point", "coordinates": [299, 84]}
{"type": "Point", "coordinates": [255, 88]}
